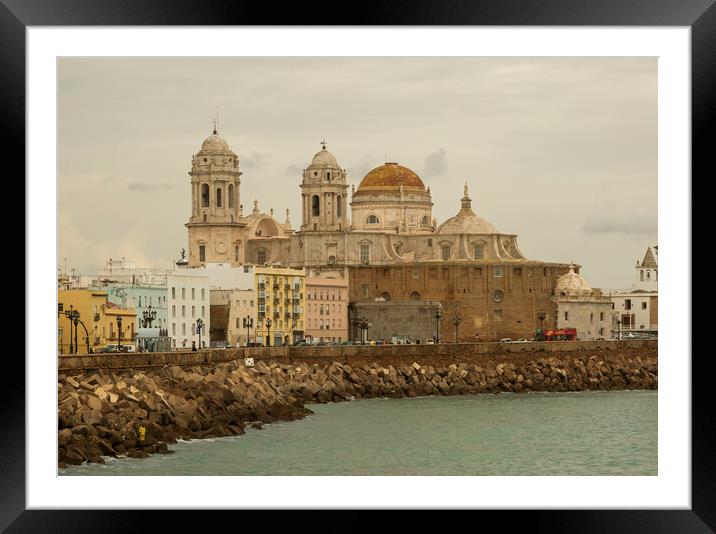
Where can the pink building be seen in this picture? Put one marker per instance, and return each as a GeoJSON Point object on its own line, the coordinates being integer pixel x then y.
{"type": "Point", "coordinates": [326, 307]}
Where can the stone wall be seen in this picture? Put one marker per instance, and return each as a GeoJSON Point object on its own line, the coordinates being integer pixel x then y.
{"type": "Point", "coordinates": [424, 354]}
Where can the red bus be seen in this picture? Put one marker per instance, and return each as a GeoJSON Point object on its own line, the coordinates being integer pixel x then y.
{"type": "Point", "coordinates": [561, 334]}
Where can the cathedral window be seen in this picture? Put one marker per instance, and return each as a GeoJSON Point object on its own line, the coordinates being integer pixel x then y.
{"type": "Point", "coordinates": [331, 260]}
{"type": "Point", "coordinates": [315, 206]}
{"type": "Point", "coordinates": [497, 272]}
{"type": "Point", "coordinates": [372, 219]}
{"type": "Point", "coordinates": [218, 197]}
{"type": "Point", "coordinates": [479, 251]}
{"type": "Point", "coordinates": [446, 252]}
{"type": "Point", "coordinates": [202, 253]}
{"type": "Point", "coordinates": [425, 221]}
{"type": "Point", "coordinates": [365, 253]}
{"type": "Point", "coordinates": [415, 295]}
{"type": "Point", "coordinates": [236, 252]}
{"type": "Point", "coordinates": [385, 295]}
{"type": "Point", "coordinates": [231, 195]}
{"type": "Point", "coordinates": [204, 195]}
{"type": "Point", "coordinates": [328, 176]}
{"type": "Point", "coordinates": [261, 256]}
{"type": "Point", "coordinates": [339, 206]}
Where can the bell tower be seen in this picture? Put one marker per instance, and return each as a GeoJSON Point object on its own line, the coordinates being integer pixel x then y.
{"type": "Point", "coordinates": [215, 222]}
{"type": "Point", "coordinates": [324, 194]}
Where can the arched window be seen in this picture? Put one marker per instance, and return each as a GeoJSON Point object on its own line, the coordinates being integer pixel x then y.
{"type": "Point", "coordinates": [365, 253]}
{"type": "Point", "coordinates": [218, 197]}
{"type": "Point", "coordinates": [415, 295]}
{"type": "Point", "coordinates": [328, 176]}
{"type": "Point", "coordinates": [315, 205]}
{"type": "Point", "coordinates": [339, 206]}
{"type": "Point", "coordinates": [479, 251]}
{"type": "Point", "coordinates": [446, 252]}
{"type": "Point", "coordinates": [231, 195]}
{"type": "Point", "coordinates": [385, 295]}
{"type": "Point", "coordinates": [261, 256]}
{"type": "Point", "coordinates": [425, 221]}
{"type": "Point", "coordinates": [331, 260]}
{"type": "Point", "coordinates": [372, 219]}
{"type": "Point", "coordinates": [204, 195]}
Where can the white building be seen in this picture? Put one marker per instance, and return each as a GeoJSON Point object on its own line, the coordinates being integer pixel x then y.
{"type": "Point", "coordinates": [636, 310]}
{"type": "Point", "coordinates": [187, 297]}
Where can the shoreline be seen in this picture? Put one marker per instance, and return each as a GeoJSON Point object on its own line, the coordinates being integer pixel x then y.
{"type": "Point", "coordinates": [101, 414]}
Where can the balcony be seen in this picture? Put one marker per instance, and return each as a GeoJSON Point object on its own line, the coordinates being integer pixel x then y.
{"type": "Point", "coordinates": [96, 317]}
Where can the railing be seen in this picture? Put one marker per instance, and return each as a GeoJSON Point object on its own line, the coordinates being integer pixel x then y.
{"type": "Point", "coordinates": [635, 328]}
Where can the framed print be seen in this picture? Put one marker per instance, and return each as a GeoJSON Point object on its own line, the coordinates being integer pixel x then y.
{"type": "Point", "coordinates": [380, 258]}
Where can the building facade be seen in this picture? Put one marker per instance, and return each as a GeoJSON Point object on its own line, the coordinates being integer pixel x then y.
{"type": "Point", "coordinates": [579, 306]}
{"type": "Point", "coordinates": [90, 333]}
{"type": "Point", "coordinates": [327, 306]}
{"type": "Point", "coordinates": [280, 313]}
{"type": "Point", "coordinates": [636, 310]}
{"type": "Point", "coordinates": [121, 326]}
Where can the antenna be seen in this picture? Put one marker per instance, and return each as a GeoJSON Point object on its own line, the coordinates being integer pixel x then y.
{"type": "Point", "coordinates": [216, 122]}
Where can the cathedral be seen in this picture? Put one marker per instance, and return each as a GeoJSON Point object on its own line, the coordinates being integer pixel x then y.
{"type": "Point", "coordinates": [390, 244]}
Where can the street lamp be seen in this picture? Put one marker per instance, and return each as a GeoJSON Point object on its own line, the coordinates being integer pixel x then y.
{"type": "Point", "coordinates": [619, 329]}
{"type": "Point", "coordinates": [199, 325]}
{"type": "Point", "coordinates": [541, 316]}
{"type": "Point", "coordinates": [119, 333]}
{"type": "Point", "coordinates": [149, 315]}
{"type": "Point", "coordinates": [364, 325]}
{"type": "Point", "coordinates": [438, 316]}
{"type": "Point", "coordinates": [456, 321]}
{"type": "Point", "coordinates": [268, 332]}
{"type": "Point", "coordinates": [248, 323]}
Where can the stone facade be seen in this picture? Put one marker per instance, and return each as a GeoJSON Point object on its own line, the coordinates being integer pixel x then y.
{"type": "Point", "coordinates": [388, 321]}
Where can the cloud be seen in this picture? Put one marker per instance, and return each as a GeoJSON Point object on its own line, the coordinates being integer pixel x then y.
{"type": "Point", "coordinates": [436, 163]}
{"type": "Point", "coordinates": [138, 186]}
{"type": "Point", "coordinates": [293, 170]}
{"type": "Point", "coordinates": [627, 220]}
{"type": "Point", "coordinates": [254, 160]}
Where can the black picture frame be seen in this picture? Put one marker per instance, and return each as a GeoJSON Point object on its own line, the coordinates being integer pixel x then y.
{"type": "Point", "coordinates": [698, 15]}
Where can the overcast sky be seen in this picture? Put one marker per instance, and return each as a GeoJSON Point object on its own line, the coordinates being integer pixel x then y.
{"type": "Point", "coordinates": [562, 152]}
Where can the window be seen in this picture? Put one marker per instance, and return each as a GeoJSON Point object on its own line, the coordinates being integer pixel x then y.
{"type": "Point", "coordinates": [497, 295]}
{"type": "Point", "coordinates": [174, 311]}
{"type": "Point", "coordinates": [174, 329]}
{"type": "Point", "coordinates": [497, 272]}
{"type": "Point", "coordinates": [566, 316]}
{"type": "Point", "coordinates": [315, 206]}
{"type": "Point", "coordinates": [204, 195]}
{"type": "Point", "coordinates": [591, 317]}
{"type": "Point", "coordinates": [231, 195]}
{"type": "Point", "coordinates": [416, 273]}
{"type": "Point", "coordinates": [425, 221]}
{"type": "Point", "coordinates": [365, 253]}
{"type": "Point", "coordinates": [193, 293]}
{"type": "Point", "coordinates": [385, 295]}
{"type": "Point", "coordinates": [202, 293]}
{"type": "Point", "coordinates": [183, 329]}
{"type": "Point", "coordinates": [641, 275]}
{"type": "Point", "coordinates": [497, 314]}
{"type": "Point", "coordinates": [415, 295]}
{"type": "Point", "coordinates": [339, 206]}
{"type": "Point", "coordinates": [517, 271]}
{"type": "Point", "coordinates": [364, 289]}
{"type": "Point", "coordinates": [477, 272]}
{"type": "Point", "coordinates": [183, 311]}
{"type": "Point", "coordinates": [643, 305]}
{"type": "Point", "coordinates": [202, 253]}
{"type": "Point", "coordinates": [183, 293]}
{"type": "Point", "coordinates": [261, 256]}
{"type": "Point", "coordinates": [479, 251]}
{"type": "Point", "coordinates": [328, 176]}
{"type": "Point", "coordinates": [193, 311]}
{"type": "Point", "coordinates": [446, 252]}
{"type": "Point", "coordinates": [386, 273]}
{"type": "Point", "coordinates": [174, 292]}
{"type": "Point", "coordinates": [331, 260]}
{"type": "Point", "coordinates": [372, 219]}
{"type": "Point", "coordinates": [627, 304]}
{"type": "Point", "coordinates": [236, 252]}
{"type": "Point", "coordinates": [601, 316]}
{"type": "Point", "coordinates": [218, 197]}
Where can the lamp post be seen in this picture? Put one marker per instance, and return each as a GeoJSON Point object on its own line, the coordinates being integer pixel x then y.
{"type": "Point", "coordinates": [149, 315]}
{"type": "Point", "coordinates": [619, 329]}
{"type": "Point", "coordinates": [268, 332]}
{"type": "Point", "coordinates": [199, 325]}
{"type": "Point", "coordinates": [119, 333]}
{"type": "Point", "coordinates": [248, 323]}
{"type": "Point", "coordinates": [456, 321]}
{"type": "Point", "coordinates": [541, 316]}
{"type": "Point", "coordinates": [364, 324]}
{"type": "Point", "coordinates": [438, 316]}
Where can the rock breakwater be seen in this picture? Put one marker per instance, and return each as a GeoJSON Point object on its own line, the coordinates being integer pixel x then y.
{"type": "Point", "coordinates": [135, 414]}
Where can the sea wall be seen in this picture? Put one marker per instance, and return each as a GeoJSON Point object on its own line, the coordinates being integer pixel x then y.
{"type": "Point", "coordinates": [393, 354]}
{"type": "Point", "coordinates": [100, 413]}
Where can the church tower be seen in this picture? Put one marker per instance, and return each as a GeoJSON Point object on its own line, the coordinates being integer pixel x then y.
{"type": "Point", "coordinates": [215, 224]}
{"type": "Point", "coordinates": [324, 194]}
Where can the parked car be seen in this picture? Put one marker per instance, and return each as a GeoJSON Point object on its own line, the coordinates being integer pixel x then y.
{"type": "Point", "coordinates": [505, 340]}
{"type": "Point", "coordinates": [521, 340]}
{"type": "Point", "coordinates": [430, 342]}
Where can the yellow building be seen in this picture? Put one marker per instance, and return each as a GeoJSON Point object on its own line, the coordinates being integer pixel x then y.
{"type": "Point", "coordinates": [281, 298]}
{"type": "Point", "coordinates": [88, 306]}
{"type": "Point", "coordinates": [128, 321]}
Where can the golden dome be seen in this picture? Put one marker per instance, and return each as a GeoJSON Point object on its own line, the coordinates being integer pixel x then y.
{"type": "Point", "coordinates": [390, 177]}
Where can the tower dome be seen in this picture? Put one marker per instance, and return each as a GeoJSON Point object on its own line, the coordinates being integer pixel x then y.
{"type": "Point", "coordinates": [390, 177]}
{"type": "Point", "coordinates": [466, 221]}
{"type": "Point", "coordinates": [324, 158]}
{"type": "Point", "coordinates": [215, 143]}
{"type": "Point", "coordinates": [572, 284]}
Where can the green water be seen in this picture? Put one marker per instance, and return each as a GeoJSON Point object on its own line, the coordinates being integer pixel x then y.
{"type": "Point", "coordinates": [588, 433]}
